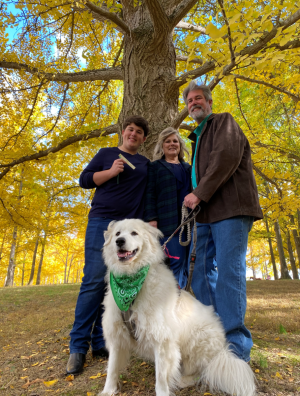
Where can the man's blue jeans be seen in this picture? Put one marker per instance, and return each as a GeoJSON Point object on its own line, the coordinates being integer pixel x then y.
{"type": "Point", "coordinates": [219, 277]}
{"type": "Point", "coordinates": [87, 326]}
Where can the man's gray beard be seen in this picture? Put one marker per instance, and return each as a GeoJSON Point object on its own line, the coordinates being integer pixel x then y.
{"type": "Point", "coordinates": [198, 116]}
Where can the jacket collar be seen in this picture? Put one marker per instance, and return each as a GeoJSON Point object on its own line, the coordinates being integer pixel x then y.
{"type": "Point", "coordinates": [192, 136]}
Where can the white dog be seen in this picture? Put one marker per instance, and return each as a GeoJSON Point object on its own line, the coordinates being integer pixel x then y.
{"type": "Point", "coordinates": [183, 337]}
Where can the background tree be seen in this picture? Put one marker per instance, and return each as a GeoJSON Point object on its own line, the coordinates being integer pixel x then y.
{"type": "Point", "coordinates": [75, 70]}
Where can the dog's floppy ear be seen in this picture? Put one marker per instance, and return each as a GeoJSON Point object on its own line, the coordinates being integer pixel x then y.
{"type": "Point", "coordinates": [108, 233]}
{"type": "Point", "coordinates": [154, 231]}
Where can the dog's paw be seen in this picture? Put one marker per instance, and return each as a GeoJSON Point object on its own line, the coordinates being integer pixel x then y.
{"type": "Point", "coordinates": [109, 393]}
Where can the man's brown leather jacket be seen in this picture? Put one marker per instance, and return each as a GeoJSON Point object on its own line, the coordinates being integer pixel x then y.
{"type": "Point", "coordinates": [224, 174]}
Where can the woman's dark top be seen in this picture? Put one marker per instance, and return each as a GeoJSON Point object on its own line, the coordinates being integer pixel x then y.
{"type": "Point", "coordinates": [183, 178]}
{"type": "Point", "coordinates": [162, 201]}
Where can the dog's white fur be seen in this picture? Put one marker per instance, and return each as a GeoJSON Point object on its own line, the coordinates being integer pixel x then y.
{"type": "Point", "coordinates": [183, 337]}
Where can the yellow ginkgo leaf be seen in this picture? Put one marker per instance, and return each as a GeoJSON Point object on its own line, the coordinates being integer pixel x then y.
{"type": "Point", "coordinates": [213, 31]}
{"type": "Point", "coordinates": [35, 364]}
{"type": "Point", "coordinates": [257, 371]}
{"type": "Point", "coordinates": [278, 375]}
{"type": "Point", "coordinates": [50, 383]}
{"type": "Point", "coordinates": [95, 376]}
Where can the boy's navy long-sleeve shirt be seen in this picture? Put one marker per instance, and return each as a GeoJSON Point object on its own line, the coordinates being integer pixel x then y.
{"type": "Point", "coordinates": [117, 199]}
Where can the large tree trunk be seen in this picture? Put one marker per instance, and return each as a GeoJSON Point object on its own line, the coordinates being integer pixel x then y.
{"type": "Point", "coordinates": [30, 282]}
{"type": "Point", "coordinates": [66, 262]}
{"type": "Point", "coordinates": [271, 250]}
{"type": "Point", "coordinates": [70, 265]}
{"type": "Point", "coordinates": [2, 245]}
{"type": "Point", "coordinates": [149, 63]}
{"type": "Point", "coordinates": [291, 255]}
{"type": "Point", "coordinates": [9, 281]}
{"type": "Point", "coordinates": [283, 267]}
{"type": "Point", "coordinates": [38, 276]}
{"type": "Point", "coordinates": [23, 268]}
{"type": "Point", "coordinates": [296, 239]}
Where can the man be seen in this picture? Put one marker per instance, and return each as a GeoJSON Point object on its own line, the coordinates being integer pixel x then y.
{"type": "Point", "coordinates": [119, 195]}
{"type": "Point", "coordinates": [224, 184]}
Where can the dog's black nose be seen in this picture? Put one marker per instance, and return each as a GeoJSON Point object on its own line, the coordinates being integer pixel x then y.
{"type": "Point", "coordinates": [120, 241]}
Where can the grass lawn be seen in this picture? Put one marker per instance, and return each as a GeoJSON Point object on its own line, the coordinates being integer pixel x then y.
{"type": "Point", "coordinates": [34, 335]}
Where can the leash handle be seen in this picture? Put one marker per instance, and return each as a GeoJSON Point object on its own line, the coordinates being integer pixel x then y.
{"type": "Point", "coordinates": [190, 217]}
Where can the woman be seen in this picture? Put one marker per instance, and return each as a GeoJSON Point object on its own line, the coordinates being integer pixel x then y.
{"type": "Point", "coordinates": [169, 181]}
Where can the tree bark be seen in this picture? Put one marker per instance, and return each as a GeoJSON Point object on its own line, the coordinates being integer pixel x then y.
{"type": "Point", "coordinates": [38, 277]}
{"type": "Point", "coordinates": [149, 63]}
{"type": "Point", "coordinates": [66, 262]}
{"type": "Point", "coordinates": [283, 267]}
{"type": "Point", "coordinates": [271, 250]}
{"type": "Point", "coordinates": [296, 239]}
{"type": "Point", "coordinates": [2, 245]}
{"type": "Point", "coordinates": [23, 268]}
{"type": "Point", "coordinates": [30, 282]}
{"type": "Point", "coordinates": [9, 281]}
{"type": "Point", "coordinates": [291, 255]}
{"type": "Point", "coordinates": [70, 265]}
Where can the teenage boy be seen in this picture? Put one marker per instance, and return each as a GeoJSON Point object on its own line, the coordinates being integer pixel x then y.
{"type": "Point", "coordinates": [119, 195]}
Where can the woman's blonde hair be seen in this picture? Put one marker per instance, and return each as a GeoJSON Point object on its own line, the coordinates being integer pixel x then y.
{"type": "Point", "coordinates": [158, 150]}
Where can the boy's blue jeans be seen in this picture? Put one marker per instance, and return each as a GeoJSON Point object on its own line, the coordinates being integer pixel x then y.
{"type": "Point", "coordinates": [219, 277]}
{"type": "Point", "coordinates": [87, 326]}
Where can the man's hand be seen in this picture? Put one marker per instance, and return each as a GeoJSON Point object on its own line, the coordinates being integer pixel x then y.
{"type": "Point", "coordinates": [153, 223]}
{"type": "Point", "coordinates": [191, 201]}
{"type": "Point", "coordinates": [117, 167]}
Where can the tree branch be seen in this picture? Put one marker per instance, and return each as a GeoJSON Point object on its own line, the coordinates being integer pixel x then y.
{"type": "Point", "coordinates": [181, 80]}
{"type": "Point", "coordinates": [67, 142]}
{"type": "Point", "coordinates": [104, 12]}
{"type": "Point", "coordinates": [189, 26]}
{"type": "Point", "coordinates": [71, 34]}
{"type": "Point", "coordinates": [291, 95]}
{"type": "Point", "coordinates": [289, 45]}
{"type": "Point", "coordinates": [158, 16]}
{"type": "Point", "coordinates": [113, 73]}
{"type": "Point", "coordinates": [181, 10]}
{"type": "Point", "coordinates": [187, 127]}
{"type": "Point", "coordinates": [240, 106]}
{"type": "Point", "coordinates": [221, 3]}
{"type": "Point", "coordinates": [186, 59]}
{"type": "Point", "coordinates": [278, 150]}
{"type": "Point", "coordinates": [266, 178]}
{"type": "Point", "coordinates": [179, 118]}
{"type": "Point", "coordinates": [28, 118]}
{"type": "Point", "coordinates": [256, 47]}
{"type": "Point", "coordinates": [57, 117]}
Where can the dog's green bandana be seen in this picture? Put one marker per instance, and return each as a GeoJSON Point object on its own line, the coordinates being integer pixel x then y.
{"type": "Point", "coordinates": [125, 288]}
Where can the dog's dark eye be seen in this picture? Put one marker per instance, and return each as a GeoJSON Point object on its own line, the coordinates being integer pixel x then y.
{"type": "Point", "coordinates": [134, 233]}
{"type": "Point", "coordinates": [118, 233]}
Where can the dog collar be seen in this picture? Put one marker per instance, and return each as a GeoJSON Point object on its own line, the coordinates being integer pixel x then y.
{"type": "Point", "coordinates": [125, 288]}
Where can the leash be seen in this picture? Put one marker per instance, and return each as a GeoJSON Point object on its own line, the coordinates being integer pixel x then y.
{"type": "Point", "coordinates": [186, 219]}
